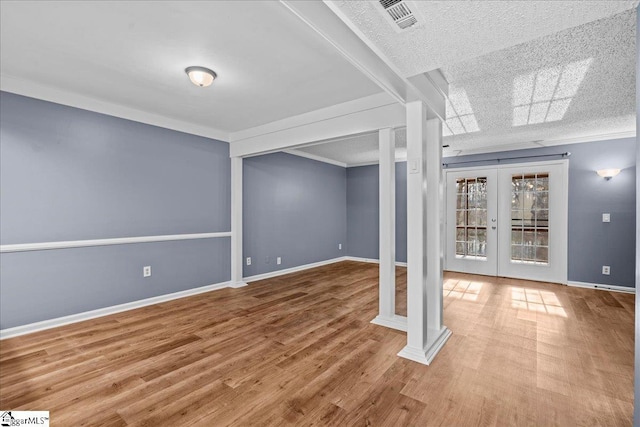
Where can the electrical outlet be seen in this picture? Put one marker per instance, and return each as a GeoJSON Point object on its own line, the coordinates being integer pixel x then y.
{"type": "Point", "coordinates": [340, 246]}
{"type": "Point", "coordinates": [606, 270]}
{"type": "Point", "coordinates": [146, 271]}
{"type": "Point", "coordinates": [606, 217]}
{"type": "Point", "coordinates": [279, 260]}
{"type": "Point", "coordinates": [248, 260]}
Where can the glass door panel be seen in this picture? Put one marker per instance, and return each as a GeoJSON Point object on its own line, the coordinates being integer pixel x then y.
{"type": "Point", "coordinates": [471, 212]}
{"type": "Point", "coordinates": [534, 238]}
{"type": "Point", "coordinates": [471, 241]}
{"type": "Point", "coordinates": [530, 218]}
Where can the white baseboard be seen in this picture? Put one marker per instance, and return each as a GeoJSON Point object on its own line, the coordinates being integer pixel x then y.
{"type": "Point", "coordinates": [372, 260]}
{"type": "Point", "coordinates": [74, 318]}
{"type": "Point", "coordinates": [237, 284]}
{"type": "Point", "coordinates": [396, 322]}
{"type": "Point", "coordinates": [292, 269]}
{"type": "Point", "coordinates": [614, 288]}
{"type": "Point", "coordinates": [432, 348]}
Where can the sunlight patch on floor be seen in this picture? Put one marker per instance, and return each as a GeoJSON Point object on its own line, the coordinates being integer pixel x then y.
{"type": "Point", "coordinates": [462, 290]}
{"type": "Point", "coordinates": [537, 301]}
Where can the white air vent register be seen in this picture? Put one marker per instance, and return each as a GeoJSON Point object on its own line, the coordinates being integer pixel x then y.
{"type": "Point", "coordinates": [401, 13]}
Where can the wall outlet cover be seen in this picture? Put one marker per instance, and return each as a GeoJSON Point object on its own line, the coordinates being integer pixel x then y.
{"type": "Point", "coordinates": [248, 260]}
{"type": "Point", "coordinates": [146, 271]}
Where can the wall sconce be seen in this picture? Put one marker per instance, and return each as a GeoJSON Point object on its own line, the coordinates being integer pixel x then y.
{"type": "Point", "coordinates": [608, 173]}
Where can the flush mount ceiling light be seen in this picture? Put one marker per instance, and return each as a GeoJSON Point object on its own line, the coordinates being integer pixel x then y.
{"type": "Point", "coordinates": [201, 76]}
{"type": "Point", "coordinates": [608, 173]}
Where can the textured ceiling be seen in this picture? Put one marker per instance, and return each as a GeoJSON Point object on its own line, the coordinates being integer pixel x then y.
{"type": "Point", "coordinates": [452, 31]}
{"type": "Point", "coordinates": [577, 84]}
{"type": "Point", "coordinates": [589, 70]}
{"type": "Point", "coordinates": [270, 64]}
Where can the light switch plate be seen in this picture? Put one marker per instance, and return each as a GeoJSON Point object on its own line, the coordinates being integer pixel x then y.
{"type": "Point", "coordinates": [414, 165]}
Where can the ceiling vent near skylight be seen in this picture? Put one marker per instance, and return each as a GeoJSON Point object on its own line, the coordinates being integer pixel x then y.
{"type": "Point", "coordinates": [401, 13]}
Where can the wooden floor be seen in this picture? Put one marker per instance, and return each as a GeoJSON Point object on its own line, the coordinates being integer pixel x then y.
{"type": "Point", "coordinates": [299, 350]}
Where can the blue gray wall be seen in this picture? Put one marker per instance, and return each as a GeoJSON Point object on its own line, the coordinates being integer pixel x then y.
{"type": "Point", "coordinates": [294, 208]}
{"type": "Point", "coordinates": [363, 198]}
{"type": "Point", "coordinates": [71, 174]}
{"type": "Point", "coordinates": [592, 243]}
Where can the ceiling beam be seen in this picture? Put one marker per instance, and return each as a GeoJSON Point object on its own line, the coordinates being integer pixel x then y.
{"type": "Point", "coordinates": [367, 114]}
{"type": "Point", "coordinates": [321, 19]}
{"type": "Point", "coordinates": [356, 122]}
{"type": "Point", "coordinates": [430, 87]}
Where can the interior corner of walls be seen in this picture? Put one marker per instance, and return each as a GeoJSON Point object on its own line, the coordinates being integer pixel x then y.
{"type": "Point", "coordinates": [284, 271]}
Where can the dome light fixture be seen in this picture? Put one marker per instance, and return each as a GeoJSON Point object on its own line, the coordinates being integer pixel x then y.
{"type": "Point", "coordinates": [201, 76]}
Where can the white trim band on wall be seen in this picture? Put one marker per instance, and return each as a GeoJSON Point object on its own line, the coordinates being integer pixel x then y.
{"type": "Point", "coordinates": [24, 247]}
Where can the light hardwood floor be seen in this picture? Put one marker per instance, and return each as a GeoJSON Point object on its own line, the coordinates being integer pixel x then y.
{"type": "Point", "coordinates": [299, 350]}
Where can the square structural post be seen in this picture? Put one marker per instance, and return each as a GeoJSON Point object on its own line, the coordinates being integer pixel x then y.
{"type": "Point", "coordinates": [236, 223]}
{"type": "Point", "coordinates": [425, 332]}
{"type": "Point", "coordinates": [387, 203]}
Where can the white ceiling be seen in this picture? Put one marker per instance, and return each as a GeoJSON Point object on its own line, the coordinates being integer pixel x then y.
{"type": "Point", "coordinates": [129, 57]}
{"type": "Point", "coordinates": [270, 65]}
{"type": "Point", "coordinates": [591, 68]}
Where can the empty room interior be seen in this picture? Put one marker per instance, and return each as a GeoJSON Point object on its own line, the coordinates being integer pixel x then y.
{"type": "Point", "coordinates": [326, 212]}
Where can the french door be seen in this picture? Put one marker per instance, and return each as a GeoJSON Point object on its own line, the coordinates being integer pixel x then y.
{"type": "Point", "coordinates": [508, 221]}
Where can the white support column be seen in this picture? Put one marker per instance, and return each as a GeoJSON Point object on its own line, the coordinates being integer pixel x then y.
{"type": "Point", "coordinates": [387, 276]}
{"type": "Point", "coordinates": [236, 223]}
{"type": "Point", "coordinates": [425, 332]}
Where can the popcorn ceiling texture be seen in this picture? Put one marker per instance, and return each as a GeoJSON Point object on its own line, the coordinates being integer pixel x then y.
{"type": "Point", "coordinates": [604, 103]}
{"type": "Point", "coordinates": [454, 31]}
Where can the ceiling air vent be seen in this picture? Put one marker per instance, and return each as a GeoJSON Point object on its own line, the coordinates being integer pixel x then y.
{"type": "Point", "coordinates": [399, 12]}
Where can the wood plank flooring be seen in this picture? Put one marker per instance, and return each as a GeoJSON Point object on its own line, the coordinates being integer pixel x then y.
{"type": "Point", "coordinates": [299, 350]}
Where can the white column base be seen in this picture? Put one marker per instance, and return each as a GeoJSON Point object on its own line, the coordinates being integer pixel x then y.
{"type": "Point", "coordinates": [426, 355]}
{"type": "Point", "coordinates": [395, 322]}
{"type": "Point", "coordinates": [237, 285]}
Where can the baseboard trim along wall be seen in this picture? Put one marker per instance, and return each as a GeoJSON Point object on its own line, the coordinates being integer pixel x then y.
{"type": "Point", "coordinates": [87, 315]}
{"type": "Point", "coordinates": [614, 288]}
{"type": "Point", "coordinates": [293, 269]}
{"type": "Point", "coordinates": [23, 247]}
{"type": "Point", "coordinates": [372, 261]}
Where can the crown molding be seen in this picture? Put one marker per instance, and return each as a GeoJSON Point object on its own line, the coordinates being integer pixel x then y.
{"type": "Point", "coordinates": [36, 90]}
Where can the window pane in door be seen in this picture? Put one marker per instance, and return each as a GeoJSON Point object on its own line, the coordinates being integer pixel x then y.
{"type": "Point", "coordinates": [471, 217]}
{"type": "Point", "coordinates": [530, 218]}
